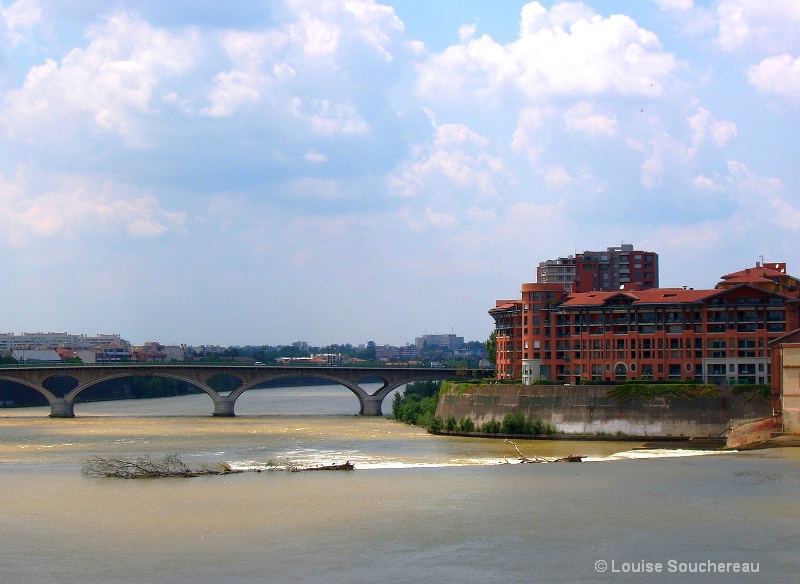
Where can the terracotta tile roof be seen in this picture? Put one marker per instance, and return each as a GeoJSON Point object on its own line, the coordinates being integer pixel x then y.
{"type": "Point", "coordinates": [505, 305]}
{"type": "Point", "coordinates": [661, 295]}
{"type": "Point", "coordinates": [756, 272]}
{"type": "Point", "coordinates": [746, 279]}
{"type": "Point", "coordinates": [648, 296]}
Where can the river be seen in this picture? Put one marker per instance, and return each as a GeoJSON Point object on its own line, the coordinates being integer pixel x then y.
{"type": "Point", "coordinates": [418, 508]}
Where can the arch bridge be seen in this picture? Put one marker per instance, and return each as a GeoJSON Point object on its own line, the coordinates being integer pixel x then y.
{"type": "Point", "coordinates": [86, 376]}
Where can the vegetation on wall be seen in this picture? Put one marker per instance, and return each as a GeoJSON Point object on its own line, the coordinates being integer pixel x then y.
{"type": "Point", "coordinates": [751, 391]}
{"type": "Point", "coordinates": [681, 391]}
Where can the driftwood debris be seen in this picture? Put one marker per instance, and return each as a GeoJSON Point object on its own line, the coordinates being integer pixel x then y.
{"type": "Point", "coordinates": [344, 466]}
{"type": "Point", "coordinates": [525, 460]}
{"type": "Point", "coordinates": [142, 467]}
{"type": "Point", "coordinates": [145, 467]}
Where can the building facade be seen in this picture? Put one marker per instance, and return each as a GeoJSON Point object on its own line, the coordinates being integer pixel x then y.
{"type": "Point", "coordinates": [450, 342]}
{"type": "Point", "coordinates": [786, 382]}
{"type": "Point", "coordinates": [10, 341]}
{"type": "Point", "coordinates": [718, 336]}
{"type": "Point", "coordinates": [612, 269]}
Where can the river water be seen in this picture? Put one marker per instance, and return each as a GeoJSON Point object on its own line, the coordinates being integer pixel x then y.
{"type": "Point", "coordinates": [418, 508]}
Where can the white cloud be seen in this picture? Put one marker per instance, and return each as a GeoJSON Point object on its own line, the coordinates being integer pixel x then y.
{"type": "Point", "coordinates": [257, 68]}
{"type": "Point", "coordinates": [778, 75]}
{"type": "Point", "coordinates": [314, 156]}
{"type": "Point", "coordinates": [110, 83]}
{"type": "Point", "coordinates": [524, 140]}
{"type": "Point", "coordinates": [582, 118]}
{"type": "Point", "coordinates": [21, 15]}
{"type": "Point", "coordinates": [324, 27]}
{"type": "Point", "coordinates": [328, 118]}
{"type": "Point", "coordinates": [78, 206]}
{"type": "Point", "coordinates": [455, 162]}
{"type": "Point", "coordinates": [557, 177]}
{"type": "Point", "coordinates": [378, 23]}
{"type": "Point", "coordinates": [704, 125]}
{"type": "Point", "coordinates": [467, 31]}
{"type": "Point", "coordinates": [233, 89]}
{"type": "Point", "coordinates": [762, 201]}
{"type": "Point", "coordinates": [702, 182]}
{"type": "Point", "coordinates": [566, 51]}
{"type": "Point", "coordinates": [681, 5]}
{"type": "Point", "coordinates": [771, 26]}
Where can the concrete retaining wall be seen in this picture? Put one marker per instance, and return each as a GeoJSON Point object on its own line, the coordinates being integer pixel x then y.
{"type": "Point", "coordinates": [753, 432]}
{"type": "Point", "coordinates": [585, 409]}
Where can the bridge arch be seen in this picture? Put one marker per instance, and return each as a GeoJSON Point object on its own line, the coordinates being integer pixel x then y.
{"type": "Point", "coordinates": [72, 396]}
{"type": "Point", "coordinates": [363, 395]}
{"type": "Point", "coordinates": [39, 388]}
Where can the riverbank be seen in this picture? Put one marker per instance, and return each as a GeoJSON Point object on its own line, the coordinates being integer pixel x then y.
{"type": "Point", "coordinates": [587, 410]}
{"type": "Point", "coordinates": [661, 441]}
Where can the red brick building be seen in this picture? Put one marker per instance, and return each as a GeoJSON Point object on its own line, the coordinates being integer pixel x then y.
{"type": "Point", "coordinates": [717, 336]}
{"type": "Point", "coordinates": [602, 270]}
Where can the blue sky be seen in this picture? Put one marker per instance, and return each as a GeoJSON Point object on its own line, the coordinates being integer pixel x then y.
{"type": "Point", "coordinates": [345, 171]}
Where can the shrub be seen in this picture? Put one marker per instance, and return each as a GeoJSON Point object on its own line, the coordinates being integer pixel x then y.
{"type": "Point", "coordinates": [491, 427]}
{"type": "Point", "coordinates": [466, 425]}
{"type": "Point", "coordinates": [450, 424]}
{"type": "Point", "coordinates": [417, 405]}
{"type": "Point", "coordinates": [513, 423]}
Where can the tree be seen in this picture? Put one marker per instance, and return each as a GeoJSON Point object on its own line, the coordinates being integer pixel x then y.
{"type": "Point", "coordinates": [491, 348]}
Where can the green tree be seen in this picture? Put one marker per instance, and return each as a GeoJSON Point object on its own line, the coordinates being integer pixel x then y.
{"type": "Point", "coordinates": [491, 348]}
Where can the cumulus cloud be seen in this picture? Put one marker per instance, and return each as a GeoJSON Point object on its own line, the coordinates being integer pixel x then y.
{"type": "Point", "coordinates": [568, 50]}
{"type": "Point", "coordinates": [767, 26]}
{"type": "Point", "coordinates": [110, 83]}
{"type": "Point", "coordinates": [704, 183]}
{"type": "Point", "coordinates": [705, 126]}
{"type": "Point", "coordinates": [681, 5]}
{"type": "Point", "coordinates": [582, 118]}
{"type": "Point", "coordinates": [20, 16]}
{"type": "Point", "coordinates": [524, 140]}
{"type": "Point", "coordinates": [74, 206]}
{"type": "Point", "coordinates": [778, 75]}
{"type": "Point", "coordinates": [557, 177]}
{"type": "Point", "coordinates": [456, 159]}
{"type": "Point", "coordinates": [762, 201]}
{"type": "Point", "coordinates": [328, 118]}
{"type": "Point", "coordinates": [314, 49]}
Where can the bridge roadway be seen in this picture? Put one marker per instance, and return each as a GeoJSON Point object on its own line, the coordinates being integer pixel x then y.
{"type": "Point", "coordinates": [37, 377]}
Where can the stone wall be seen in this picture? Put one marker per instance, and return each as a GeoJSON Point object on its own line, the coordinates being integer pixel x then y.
{"type": "Point", "coordinates": [585, 409]}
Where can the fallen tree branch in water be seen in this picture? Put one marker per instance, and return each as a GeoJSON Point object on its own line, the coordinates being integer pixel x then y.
{"type": "Point", "coordinates": [142, 467]}
{"type": "Point", "coordinates": [525, 460]}
{"type": "Point", "coordinates": [171, 465]}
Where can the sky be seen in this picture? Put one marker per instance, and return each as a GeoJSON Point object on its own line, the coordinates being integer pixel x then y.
{"type": "Point", "coordinates": [340, 171]}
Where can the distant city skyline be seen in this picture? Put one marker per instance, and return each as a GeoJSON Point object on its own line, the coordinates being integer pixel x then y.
{"type": "Point", "coordinates": [267, 171]}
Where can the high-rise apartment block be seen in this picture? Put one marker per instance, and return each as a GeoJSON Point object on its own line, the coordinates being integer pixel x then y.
{"type": "Point", "coordinates": [612, 269]}
{"type": "Point", "coordinates": [720, 335]}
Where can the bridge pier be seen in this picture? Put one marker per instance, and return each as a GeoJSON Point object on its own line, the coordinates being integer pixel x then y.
{"type": "Point", "coordinates": [61, 408]}
{"type": "Point", "coordinates": [370, 405]}
{"type": "Point", "coordinates": [223, 407]}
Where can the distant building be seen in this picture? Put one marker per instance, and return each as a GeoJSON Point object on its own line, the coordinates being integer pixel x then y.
{"type": "Point", "coordinates": [11, 341]}
{"type": "Point", "coordinates": [717, 336]}
{"type": "Point", "coordinates": [450, 342]}
{"type": "Point", "coordinates": [36, 356]}
{"type": "Point", "coordinates": [110, 354]}
{"type": "Point", "coordinates": [386, 352]}
{"type": "Point", "coordinates": [612, 269]}
{"type": "Point", "coordinates": [407, 353]}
